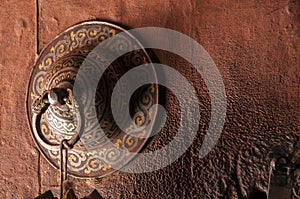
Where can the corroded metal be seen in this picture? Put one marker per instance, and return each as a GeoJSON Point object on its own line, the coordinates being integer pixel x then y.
{"type": "Point", "coordinates": [55, 116]}
{"type": "Point", "coordinates": [281, 180]}
{"type": "Point", "coordinates": [284, 177]}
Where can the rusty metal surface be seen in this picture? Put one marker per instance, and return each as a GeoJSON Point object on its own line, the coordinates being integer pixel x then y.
{"type": "Point", "coordinates": [284, 177]}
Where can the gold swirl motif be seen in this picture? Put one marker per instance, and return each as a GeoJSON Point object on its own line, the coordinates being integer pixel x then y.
{"type": "Point", "coordinates": [33, 96]}
{"type": "Point", "coordinates": [151, 88]}
{"type": "Point", "coordinates": [93, 33]}
{"type": "Point", "coordinates": [55, 153]}
{"type": "Point", "coordinates": [72, 158]}
{"type": "Point", "coordinates": [146, 99]}
{"type": "Point", "coordinates": [94, 164]}
{"type": "Point", "coordinates": [104, 167]}
{"type": "Point", "coordinates": [112, 32]}
{"type": "Point", "coordinates": [44, 129]}
{"type": "Point", "coordinates": [102, 38]}
{"type": "Point", "coordinates": [129, 141]}
{"type": "Point", "coordinates": [102, 152]}
{"type": "Point", "coordinates": [48, 61]}
{"type": "Point", "coordinates": [118, 143]}
{"type": "Point", "coordinates": [111, 154]}
{"type": "Point", "coordinates": [87, 171]}
{"type": "Point", "coordinates": [139, 121]}
{"type": "Point", "coordinates": [61, 48]}
{"type": "Point", "coordinates": [52, 50]}
{"type": "Point", "coordinates": [72, 35]}
{"type": "Point", "coordinates": [82, 34]}
{"type": "Point", "coordinates": [131, 127]}
{"type": "Point", "coordinates": [41, 66]}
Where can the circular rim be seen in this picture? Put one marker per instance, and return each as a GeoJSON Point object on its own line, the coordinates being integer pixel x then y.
{"type": "Point", "coordinates": [30, 82]}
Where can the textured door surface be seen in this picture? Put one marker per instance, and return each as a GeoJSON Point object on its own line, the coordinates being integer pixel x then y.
{"type": "Point", "coordinates": [255, 45]}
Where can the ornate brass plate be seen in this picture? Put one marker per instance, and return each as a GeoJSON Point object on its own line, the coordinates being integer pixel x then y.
{"type": "Point", "coordinates": [97, 152]}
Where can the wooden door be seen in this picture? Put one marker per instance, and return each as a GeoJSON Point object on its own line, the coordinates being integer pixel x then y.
{"type": "Point", "coordinates": [255, 45]}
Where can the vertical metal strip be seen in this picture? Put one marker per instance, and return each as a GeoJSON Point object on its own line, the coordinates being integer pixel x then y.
{"type": "Point", "coordinates": [37, 52]}
{"type": "Point", "coordinates": [63, 167]}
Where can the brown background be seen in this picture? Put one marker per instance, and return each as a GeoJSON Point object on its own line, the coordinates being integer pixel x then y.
{"type": "Point", "coordinates": [255, 45]}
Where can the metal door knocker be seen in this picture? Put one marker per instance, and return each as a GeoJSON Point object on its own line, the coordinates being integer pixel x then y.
{"type": "Point", "coordinates": [81, 139]}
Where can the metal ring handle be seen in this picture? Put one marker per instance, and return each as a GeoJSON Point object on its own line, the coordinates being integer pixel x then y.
{"type": "Point", "coordinates": [40, 106]}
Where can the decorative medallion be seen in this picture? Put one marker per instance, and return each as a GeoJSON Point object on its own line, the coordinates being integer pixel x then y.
{"type": "Point", "coordinates": [99, 146]}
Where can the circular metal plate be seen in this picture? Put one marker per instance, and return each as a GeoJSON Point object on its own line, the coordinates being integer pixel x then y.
{"type": "Point", "coordinates": [98, 152]}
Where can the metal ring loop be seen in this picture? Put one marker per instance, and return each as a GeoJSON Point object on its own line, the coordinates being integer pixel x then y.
{"type": "Point", "coordinates": [36, 120]}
